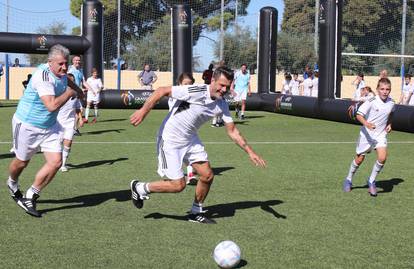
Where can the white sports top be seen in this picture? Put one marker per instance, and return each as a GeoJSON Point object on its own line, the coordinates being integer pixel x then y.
{"type": "Point", "coordinates": [192, 109]}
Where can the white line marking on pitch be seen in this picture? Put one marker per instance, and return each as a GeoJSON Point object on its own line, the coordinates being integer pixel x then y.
{"type": "Point", "coordinates": [229, 142]}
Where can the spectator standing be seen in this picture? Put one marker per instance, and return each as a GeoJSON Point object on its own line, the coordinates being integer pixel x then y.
{"type": "Point", "coordinates": [287, 84]}
{"type": "Point", "coordinates": [315, 84]}
{"type": "Point", "coordinates": [308, 84]}
{"type": "Point", "coordinates": [207, 74]}
{"type": "Point", "coordinates": [16, 63]}
{"type": "Point", "coordinates": [1, 71]}
{"type": "Point", "coordinates": [295, 84]}
{"type": "Point", "coordinates": [358, 83]}
{"type": "Point", "coordinates": [406, 91]}
{"type": "Point", "coordinates": [147, 77]}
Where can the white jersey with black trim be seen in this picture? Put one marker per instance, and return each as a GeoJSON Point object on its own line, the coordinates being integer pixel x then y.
{"type": "Point", "coordinates": [376, 111]}
{"type": "Point", "coordinates": [192, 108]}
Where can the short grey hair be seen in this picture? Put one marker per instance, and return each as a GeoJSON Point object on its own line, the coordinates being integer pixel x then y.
{"type": "Point", "coordinates": [58, 50]}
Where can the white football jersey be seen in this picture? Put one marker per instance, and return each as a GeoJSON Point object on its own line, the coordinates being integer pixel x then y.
{"type": "Point", "coordinates": [377, 112]}
{"type": "Point", "coordinates": [192, 109]}
{"type": "Point", "coordinates": [315, 86]}
{"type": "Point", "coordinates": [294, 85]}
{"type": "Point", "coordinates": [67, 111]}
{"type": "Point", "coordinates": [307, 87]}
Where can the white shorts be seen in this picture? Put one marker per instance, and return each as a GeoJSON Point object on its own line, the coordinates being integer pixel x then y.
{"type": "Point", "coordinates": [366, 144]}
{"type": "Point", "coordinates": [67, 128]}
{"type": "Point", "coordinates": [171, 157]}
{"type": "Point", "coordinates": [28, 139]}
{"type": "Point", "coordinates": [242, 95]}
{"type": "Point", "coordinates": [93, 98]}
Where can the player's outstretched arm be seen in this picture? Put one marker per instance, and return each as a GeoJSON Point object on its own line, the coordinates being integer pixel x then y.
{"type": "Point", "coordinates": [138, 116]}
{"type": "Point", "coordinates": [236, 136]}
{"type": "Point", "coordinates": [75, 87]}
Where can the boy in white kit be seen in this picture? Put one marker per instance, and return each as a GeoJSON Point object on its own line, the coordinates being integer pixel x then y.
{"type": "Point", "coordinates": [375, 116]}
{"type": "Point", "coordinates": [93, 97]}
{"type": "Point", "coordinates": [178, 141]}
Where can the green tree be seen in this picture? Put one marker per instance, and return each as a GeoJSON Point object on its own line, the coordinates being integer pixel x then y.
{"type": "Point", "coordinates": [55, 28]}
{"type": "Point", "coordinates": [239, 47]}
{"type": "Point", "coordinates": [153, 48]}
{"type": "Point", "coordinates": [294, 51]}
{"type": "Point", "coordinates": [140, 17]}
{"type": "Point", "coordinates": [368, 25]}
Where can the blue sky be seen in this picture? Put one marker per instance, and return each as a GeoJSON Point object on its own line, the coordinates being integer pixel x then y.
{"type": "Point", "coordinates": [63, 7]}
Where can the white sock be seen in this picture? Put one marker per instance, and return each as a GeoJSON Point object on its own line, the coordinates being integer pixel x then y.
{"type": "Point", "coordinates": [375, 171]}
{"type": "Point", "coordinates": [189, 170]}
{"type": "Point", "coordinates": [65, 154]}
{"type": "Point", "coordinates": [96, 112]}
{"type": "Point", "coordinates": [142, 189]}
{"type": "Point", "coordinates": [13, 184]}
{"type": "Point", "coordinates": [32, 191]}
{"type": "Point", "coordinates": [352, 169]}
{"type": "Point", "coordinates": [87, 113]}
{"type": "Point", "coordinates": [214, 120]}
{"type": "Point", "coordinates": [197, 208]}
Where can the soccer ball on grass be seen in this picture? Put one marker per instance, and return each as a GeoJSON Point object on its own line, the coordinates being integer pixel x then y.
{"type": "Point", "coordinates": [227, 254]}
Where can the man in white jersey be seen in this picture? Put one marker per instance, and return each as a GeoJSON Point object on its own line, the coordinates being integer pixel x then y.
{"type": "Point", "coordinates": [178, 141]}
{"type": "Point", "coordinates": [375, 116]}
{"type": "Point", "coordinates": [406, 91]}
{"type": "Point", "coordinates": [35, 126]}
{"type": "Point", "coordinates": [67, 120]}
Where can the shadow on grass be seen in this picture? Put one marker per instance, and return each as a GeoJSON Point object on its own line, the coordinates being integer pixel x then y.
{"type": "Point", "coordinates": [218, 170]}
{"type": "Point", "coordinates": [103, 131]}
{"type": "Point", "coordinates": [95, 163]}
{"type": "Point", "coordinates": [253, 117]}
{"type": "Point", "coordinates": [241, 264]}
{"type": "Point", "coordinates": [87, 200]}
{"type": "Point", "coordinates": [227, 210]}
{"type": "Point", "coordinates": [6, 156]}
{"type": "Point", "coordinates": [385, 185]}
{"type": "Point", "coordinates": [109, 120]}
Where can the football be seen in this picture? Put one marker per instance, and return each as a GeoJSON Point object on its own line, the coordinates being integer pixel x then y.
{"type": "Point", "coordinates": [227, 254]}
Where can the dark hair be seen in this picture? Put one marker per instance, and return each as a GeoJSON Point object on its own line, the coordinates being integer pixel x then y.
{"type": "Point", "coordinates": [183, 76]}
{"type": "Point", "coordinates": [211, 66]}
{"type": "Point", "coordinates": [360, 74]}
{"type": "Point", "coordinates": [94, 70]}
{"type": "Point", "coordinates": [407, 75]}
{"type": "Point", "coordinates": [243, 64]}
{"type": "Point", "coordinates": [70, 76]}
{"type": "Point", "coordinates": [368, 88]}
{"type": "Point", "coordinates": [384, 81]}
{"type": "Point", "coordinates": [225, 71]}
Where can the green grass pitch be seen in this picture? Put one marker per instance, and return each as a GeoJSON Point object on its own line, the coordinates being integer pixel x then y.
{"type": "Point", "coordinates": [293, 214]}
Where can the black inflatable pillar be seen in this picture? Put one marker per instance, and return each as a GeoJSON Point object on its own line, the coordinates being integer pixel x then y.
{"type": "Point", "coordinates": [327, 49]}
{"type": "Point", "coordinates": [266, 73]}
{"type": "Point", "coordinates": [182, 41]}
{"type": "Point", "coordinates": [92, 25]}
{"type": "Point", "coordinates": [339, 6]}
